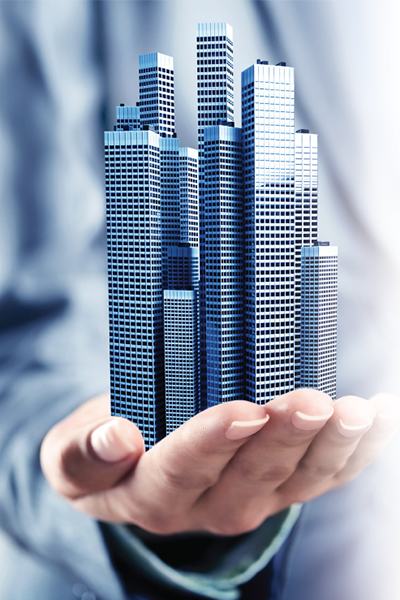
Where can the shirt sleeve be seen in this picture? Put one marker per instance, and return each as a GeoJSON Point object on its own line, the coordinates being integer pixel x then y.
{"type": "Point", "coordinates": [221, 564]}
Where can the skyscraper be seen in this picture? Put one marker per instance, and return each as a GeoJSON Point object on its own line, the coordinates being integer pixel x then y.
{"type": "Point", "coordinates": [156, 92]}
{"type": "Point", "coordinates": [170, 197]}
{"type": "Point", "coordinates": [134, 277]}
{"type": "Point", "coordinates": [214, 104]}
{"type": "Point", "coordinates": [182, 384]}
{"type": "Point", "coordinates": [128, 118]}
{"type": "Point", "coordinates": [319, 273]}
{"type": "Point", "coordinates": [214, 75]}
{"type": "Point", "coordinates": [223, 278]}
{"type": "Point", "coordinates": [182, 267]}
{"type": "Point", "coordinates": [181, 336]}
{"type": "Point", "coordinates": [306, 217]}
{"type": "Point", "coordinates": [269, 168]}
{"type": "Point", "coordinates": [218, 287]}
{"type": "Point", "coordinates": [189, 195]}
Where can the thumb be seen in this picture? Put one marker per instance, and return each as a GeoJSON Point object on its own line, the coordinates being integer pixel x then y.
{"type": "Point", "coordinates": [92, 458]}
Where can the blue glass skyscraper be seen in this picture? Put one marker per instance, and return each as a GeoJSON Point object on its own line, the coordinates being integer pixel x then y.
{"type": "Point", "coordinates": [223, 264]}
{"type": "Point", "coordinates": [170, 197]}
{"type": "Point", "coordinates": [182, 383]}
{"type": "Point", "coordinates": [134, 275]}
{"type": "Point", "coordinates": [189, 195]}
{"type": "Point", "coordinates": [182, 267]}
{"type": "Point", "coordinates": [218, 287]}
{"type": "Point", "coordinates": [214, 104]}
{"type": "Point", "coordinates": [214, 75]}
{"type": "Point", "coordinates": [181, 336]}
{"type": "Point", "coordinates": [156, 92]}
{"type": "Point", "coordinates": [306, 217]}
{"type": "Point", "coordinates": [128, 118]}
{"type": "Point", "coordinates": [319, 280]}
{"type": "Point", "coordinates": [269, 168]}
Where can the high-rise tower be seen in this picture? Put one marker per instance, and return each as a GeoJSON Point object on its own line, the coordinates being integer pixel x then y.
{"type": "Point", "coordinates": [306, 216]}
{"type": "Point", "coordinates": [269, 167]}
{"type": "Point", "coordinates": [181, 336]}
{"type": "Point", "coordinates": [223, 276]}
{"type": "Point", "coordinates": [128, 118]}
{"type": "Point", "coordinates": [134, 276]}
{"type": "Point", "coordinates": [170, 197]}
{"type": "Point", "coordinates": [156, 92]}
{"type": "Point", "coordinates": [319, 270]}
{"type": "Point", "coordinates": [189, 195]}
{"type": "Point", "coordinates": [214, 104]}
{"type": "Point", "coordinates": [214, 75]}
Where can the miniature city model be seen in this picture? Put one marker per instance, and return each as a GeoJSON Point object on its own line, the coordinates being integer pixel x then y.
{"type": "Point", "coordinates": [218, 287]}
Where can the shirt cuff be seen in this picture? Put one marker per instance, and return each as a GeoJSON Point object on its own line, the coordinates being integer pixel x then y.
{"type": "Point", "coordinates": [247, 555]}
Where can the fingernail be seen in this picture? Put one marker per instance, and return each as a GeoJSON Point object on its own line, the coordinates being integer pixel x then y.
{"type": "Point", "coordinates": [350, 431]}
{"type": "Point", "coordinates": [109, 444]}
{"type": "Point", "coordinates": [241, 429]}
{"type": "Point", "coordinates": [310, 422]}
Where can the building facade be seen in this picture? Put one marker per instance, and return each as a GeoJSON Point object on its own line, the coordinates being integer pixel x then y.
{"type": "Point", "coordinates": [156, 92]}
{"type": "Point", "coordinates": [215, 103]}
{"type": "Point", "coordinates": [306, 217]}
{"type": "Point", "coordinates": [182, 360]}
{"type": "Point", "coordinates": [319, 286]}
{"type": "Point", "coordinates": [170, 197]}
{"type": "Point", "coordinates": [135, 280]}
{"type": "Point", "coordinates": [223, 277]}
{"type": "Point", "coordinates": [269, 168]}
{"type": "Point", "coordinates": [128, 118]}
{"type": "Point", "coordinates": [189, 195]}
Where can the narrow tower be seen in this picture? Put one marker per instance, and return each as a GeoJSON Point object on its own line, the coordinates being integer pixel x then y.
{"type": "Point", "coordinates": [214, 104]}
{"type": "Point", "coordinates": [319, 270]}
{"type": "Point", "coordinates": [128, 118]}
{"type": "Point", "coordinates": [181, 336]}
{"type": "Point", "coordinates": [156, 92]}
{"type": "Point", "coordinates": [223, 264]}
{"type": "Point", "coordinates": [134, 279]}
{"type": "Point", "coordinates": [170, 197]}
{"type": "Point", "coordinates": [268, 148]}
{"type": "Point", "coordinates": [306, 217]}
{"type": "Point", "coordinates": [189, 195]}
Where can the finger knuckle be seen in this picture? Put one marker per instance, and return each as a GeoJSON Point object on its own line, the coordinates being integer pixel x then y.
{"type": "Point", "coordinates": [255, 474]}
{"type": "Point", "coordinates": [185, 481]}
{"type": "Point", "coordinates": [70, 464]}
{"type": "Point", "coordinates": [320, 471]}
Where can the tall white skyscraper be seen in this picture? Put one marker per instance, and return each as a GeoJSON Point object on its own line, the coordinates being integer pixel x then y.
{"type": "Point", "coordinates": [319, 279]}
{"type": "Point", "coordinates": [156, 92]}
{"type": "Point", "coordinates": [269, 168]}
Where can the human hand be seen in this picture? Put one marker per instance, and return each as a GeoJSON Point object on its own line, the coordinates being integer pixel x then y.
{"type": "Point", "coordinates": [224, 471]}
